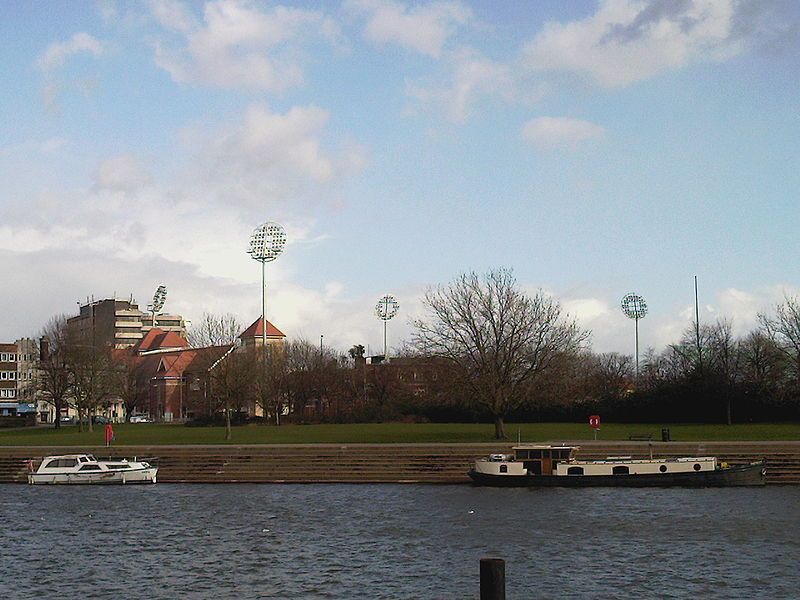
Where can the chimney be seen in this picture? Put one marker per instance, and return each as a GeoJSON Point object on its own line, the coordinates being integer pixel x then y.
{"type": "Point", "coordinates": [44, 348]}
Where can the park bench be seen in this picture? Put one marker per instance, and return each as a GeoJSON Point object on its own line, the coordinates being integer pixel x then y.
{"type": "Point", "coordinates": [641, 437]}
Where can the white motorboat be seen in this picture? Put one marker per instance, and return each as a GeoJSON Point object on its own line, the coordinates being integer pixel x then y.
{"type": "Point", "coordinates": [85, 468]}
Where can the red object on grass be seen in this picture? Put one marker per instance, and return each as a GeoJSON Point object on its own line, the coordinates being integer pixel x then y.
{"type": "Point", "coordinates": [594, 421]}
{"type": "Point", "coordinates": [109, 434]}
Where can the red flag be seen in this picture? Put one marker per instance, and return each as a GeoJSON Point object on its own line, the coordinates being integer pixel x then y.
{"type": "Point", "coordinates": [109, 434]}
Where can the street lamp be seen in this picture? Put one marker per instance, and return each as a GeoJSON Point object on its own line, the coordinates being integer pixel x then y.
{"type": "Point", "coordinates": [634, 307]}
{"type": "Point", "coordinates": [385, 309]}
{"type": "Point", "coordinates": [266, 244]}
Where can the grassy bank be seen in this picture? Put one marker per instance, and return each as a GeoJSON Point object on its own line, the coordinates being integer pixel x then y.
{"type": "Point", "coordinates": [381, 433]}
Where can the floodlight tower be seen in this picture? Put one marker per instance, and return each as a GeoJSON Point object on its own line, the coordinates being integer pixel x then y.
{"type": "Point", "coordinates": [266, 244]}
{"type": "Point", "coordinates": [634, 307]}
{"type": "Point", "coordinates": [159, 298]}
{"type": "Point", "coordinates": [385, 309]}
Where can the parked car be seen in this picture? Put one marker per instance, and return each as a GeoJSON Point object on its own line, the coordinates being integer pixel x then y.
{"type": "Point", "coordinates": [67, 420]}
{"type": "Point", "coordinates": [100, 420]}
{"type": "Point", "coordinates": [140, 419]}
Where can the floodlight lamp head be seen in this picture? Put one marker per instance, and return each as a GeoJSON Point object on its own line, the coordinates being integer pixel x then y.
{"type": "Point", "coordinates": [267, 242]}
{"type": "Point", "coordinates": [634, 306]}
{"type": "Point", "coordinates": [159, 298]}
{"type": "Point", "coordinates": [386, 307]}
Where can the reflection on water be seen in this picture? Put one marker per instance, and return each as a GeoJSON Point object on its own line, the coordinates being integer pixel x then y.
{"type": "Point", "coordinates": [395, 541]}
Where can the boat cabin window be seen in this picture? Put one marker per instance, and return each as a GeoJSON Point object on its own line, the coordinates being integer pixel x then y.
{"type": "Point", "coordinates": [504, 468]}
{"type": "Point", "coordinates": [61, 463]}
{"type": "Point", "coordinates": [522, 454]}
{"type": "Point", "coordinates": [123, 466]}
{"type": "Point", "coordinates": [575, 471]}
{"type": "Point", "coordinates": [620, 470]}
{"type": "Point", "coordinates": [90, 468]}
{"type": "Point", "coordinates": [83, 459]}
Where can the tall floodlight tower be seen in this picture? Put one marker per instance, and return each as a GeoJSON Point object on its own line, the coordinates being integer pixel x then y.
{"type": "Point", "coordinates": [385, 309]}
{"type": "Point", "coordinates": [634, 307]}
{"type": "Point", "coordinates": [158, 301]}
{"type": "Point", "coordinates": [266, 244]}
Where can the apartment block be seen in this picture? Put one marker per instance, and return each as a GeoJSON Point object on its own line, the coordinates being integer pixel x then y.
{"type": "Point", "coordinates": [17, 376]}
{"type": "Point", "coordinates": [119, 323]}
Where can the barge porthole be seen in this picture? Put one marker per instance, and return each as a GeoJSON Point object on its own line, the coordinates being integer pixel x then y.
{"type": "Point", "coordinates": [696, 466]}
{"type": "Point", "coordinates": [663, 468]}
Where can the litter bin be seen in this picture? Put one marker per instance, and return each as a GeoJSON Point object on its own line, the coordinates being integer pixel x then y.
{"type": "Point", "coordinates": [665, 434]}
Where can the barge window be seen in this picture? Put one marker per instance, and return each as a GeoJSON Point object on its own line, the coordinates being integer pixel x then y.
{"type": "Point", "coordinates": [575, 471]}
{"type": "Point", "coordinates": [504, 468]}
{"type": "Point", "coordinates": [90, 468]}
{"type": "Point", "coordinates": [522, 454]}
{"type": "Point", "coordinates": [620, 470]}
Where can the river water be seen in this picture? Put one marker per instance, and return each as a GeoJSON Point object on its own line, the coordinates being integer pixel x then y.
{"type": "Point", "coordinates": [395, 541]}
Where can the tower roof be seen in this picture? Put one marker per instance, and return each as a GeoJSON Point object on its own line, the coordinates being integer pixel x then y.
{"type": "Point", "coordinates": [256, 330]}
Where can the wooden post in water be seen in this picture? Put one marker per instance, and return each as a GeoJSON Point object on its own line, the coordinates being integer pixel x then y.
{"type": "Point", "coordinates": [493, 579]}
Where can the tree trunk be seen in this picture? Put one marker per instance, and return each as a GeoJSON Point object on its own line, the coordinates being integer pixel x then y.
{"type": "Point", "coordinates": [89, 414]}
{"type": "Point", "coordinates": [499, 428]}
{"type": "Point", "coordinates": [227, 421]}
{"type": "Point", "coordinates": [57, 406]}
{"type": "Point", "coordinates": [80, 420]}
{"type": "Point", "coordinates": [728, 408]}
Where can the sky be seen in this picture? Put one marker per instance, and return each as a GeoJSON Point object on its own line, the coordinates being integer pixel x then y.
{"type": "Point", "coordinates": [595, 148]}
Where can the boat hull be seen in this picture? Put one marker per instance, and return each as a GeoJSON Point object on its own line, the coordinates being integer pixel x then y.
{"type": "Point", "coordinates": [745, 475]}
{"type": "Point", "coordinates": [130, 476]}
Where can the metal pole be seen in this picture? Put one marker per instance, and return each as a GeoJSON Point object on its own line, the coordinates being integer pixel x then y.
{"type": "Point", "coordinates": [636, 320]}
{"type": "Point", "coordinates": [264, 304]}
{"type": "Point", "coordinates": [697, 326]}
{"type": "Point", "coordinates": [385, 351]}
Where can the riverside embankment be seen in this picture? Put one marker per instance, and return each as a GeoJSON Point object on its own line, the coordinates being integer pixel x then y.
{"type": "Point", "coordinates": [381, 463]}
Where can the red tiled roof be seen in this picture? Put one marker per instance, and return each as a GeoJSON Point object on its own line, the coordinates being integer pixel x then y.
{"type": "Point", "coordinates": [158, 339]}
{"type": "Point", "coordinates": [256, 330]}
{"type": "Point", "coordinates": [177, 362]}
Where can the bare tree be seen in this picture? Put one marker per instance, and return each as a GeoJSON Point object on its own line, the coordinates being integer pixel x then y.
{"type": "Point", "coordinates": [127, 380]}
{"type": "Point", "coordinates": [724, 355]}
{"type": "Point", "coordinates": [784, 330]}
{"type": "Point", "coordinates": [54, 379]}
{"type": "Point", "coordinates": [231, 383]}
{"type": "Point", "coordinates": [271, 379]}
{"type": "Point", "coordinates": [215, 330]}
{"type": "Point", "coordinates": [500, 339]}
{"type": "Point", "coordinates": [90, 373]}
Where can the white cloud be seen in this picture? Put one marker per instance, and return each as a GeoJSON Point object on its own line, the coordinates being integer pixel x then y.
{"type": "Point", "coordinates": [239, 44]}
{"type": "Point", "coordinates": [57, 53]}
{"type": "Point", "coordinates": [471, 77]}
{"type": "Point", "coordinates": [631, 40]}
{"type": "Point", "coordinates": [173, 15]}
{"type": "Point", "coordinates": [423, 28]}
{"type": "Point", "coordinates": [275, 158]}
{"type": "Point", "coordinates": [121, 173]}
{"type": "Point", "coordinates": [560, 132]}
